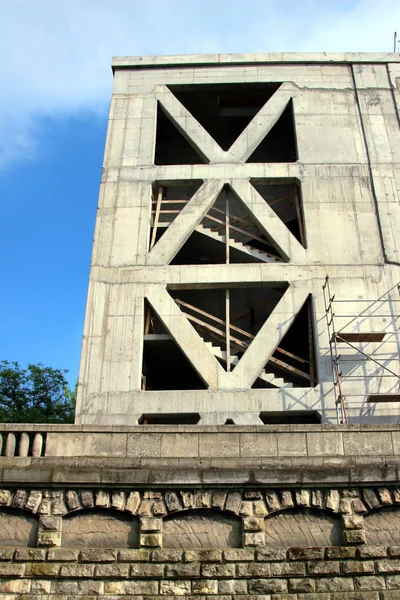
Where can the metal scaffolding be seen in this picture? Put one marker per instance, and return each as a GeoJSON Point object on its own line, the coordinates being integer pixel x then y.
{"type": "Point", "coordinates": [353, 339]}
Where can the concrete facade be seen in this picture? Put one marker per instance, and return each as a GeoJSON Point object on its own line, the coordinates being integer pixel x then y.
{"type": "Point", "coordinates": [346, 120]}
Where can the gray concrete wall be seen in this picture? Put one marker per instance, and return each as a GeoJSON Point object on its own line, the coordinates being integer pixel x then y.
{"type": "Point", "coordinates": [346, 110]}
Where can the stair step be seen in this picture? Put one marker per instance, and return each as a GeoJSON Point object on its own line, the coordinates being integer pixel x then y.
{"type": "Point", "coordinates": [269, 377]}
{"type": "Point", "coordinates": [240, 246]}
{"type": "Point", "coordinates": [277, 381]}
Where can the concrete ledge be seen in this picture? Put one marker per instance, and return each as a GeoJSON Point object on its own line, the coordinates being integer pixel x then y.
{"type": "Point", "coordinates": [161, 472]}
{"type": "Point", "coordinates": [180, 60]}
{"type": "Point", "coordinates": [246, 444]}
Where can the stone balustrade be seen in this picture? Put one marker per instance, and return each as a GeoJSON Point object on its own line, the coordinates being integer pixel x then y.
{"type": "Point", "coordinates": [184, 454]}
{"type": "Point", "coordinates": [22, 443]}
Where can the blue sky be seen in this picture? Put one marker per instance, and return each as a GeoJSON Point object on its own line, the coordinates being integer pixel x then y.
{"type": "Point", "coordinates": [56, 86]}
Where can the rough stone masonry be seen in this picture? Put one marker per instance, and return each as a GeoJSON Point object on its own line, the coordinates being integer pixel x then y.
{"type": "Point", "coordinates": [213, 454]}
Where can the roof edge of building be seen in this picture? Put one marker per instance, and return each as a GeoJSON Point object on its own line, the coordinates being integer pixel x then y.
{"type": "Point", "coordinates": [187, 60]}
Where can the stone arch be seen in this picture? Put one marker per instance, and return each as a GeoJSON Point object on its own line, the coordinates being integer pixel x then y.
{"type": "Point", "coordinates": [100, 528]}
{"type": "Point", "coordinates": [301, 526]}
{"type": "Point", "coordinates": [18, 527]}
{"type": "Point", "coordinates": [202, 528]}
{"type": "Point", "coordinates": [186, 500]}
{"type": "Point", "coordinates": [382, 525]}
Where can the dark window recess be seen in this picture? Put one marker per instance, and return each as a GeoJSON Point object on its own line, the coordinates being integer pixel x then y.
{"type": "Point", "coordinates": [165, 367]}
{"type": "Point", "coordinates": [279, 145]}
{"type": "Point", "coordinates": [291, 417]}
{"type": "Point", "coordinates": [169, 198]}
{"type": "Point", "coordinates": [169, 419]}
{"type": "Point", "coordinates": [285, 199]}
{"type": "Point", "coordinates": [172, 148]}
{"type": "Point", "coordinates": [224, 110]}
{"type": "Point", "coordinates": [293, 364]}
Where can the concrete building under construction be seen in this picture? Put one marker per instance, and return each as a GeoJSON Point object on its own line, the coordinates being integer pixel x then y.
{"type": "Point", "coordinates": [237, 428]}
{"type": "Point", "coordinates": [232, 186]}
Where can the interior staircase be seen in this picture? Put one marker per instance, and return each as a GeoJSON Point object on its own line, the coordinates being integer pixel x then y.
{"type": "Point", "coordinates": [219, 236]}
{"type": "Point", "coordinates": [270, 378]}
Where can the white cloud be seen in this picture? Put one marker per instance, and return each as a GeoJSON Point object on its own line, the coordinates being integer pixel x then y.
{"type": "Point", "coordinates": [56, 54]}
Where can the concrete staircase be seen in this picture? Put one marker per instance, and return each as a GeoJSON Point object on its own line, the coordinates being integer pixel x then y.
{"type": "Point", "coordinates": [278, 382]}
{"type": "Point", "coordinates": [240, 246]}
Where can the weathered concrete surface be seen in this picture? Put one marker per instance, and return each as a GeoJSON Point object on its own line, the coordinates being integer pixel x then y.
{"type": "Point", "coordinates": [253, 58]}
{"type": "Point", "coordinates": [346, 112]}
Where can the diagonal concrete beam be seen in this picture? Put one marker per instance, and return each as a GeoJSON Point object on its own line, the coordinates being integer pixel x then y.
{"type": "Point", "coordinates": [260, 125]}
{"type": "Point", "coordinates": [268, 221]}
{"type": "Point", "coordinates": [189, 127]}
{"type": "Point", "coordinates": [267, 339]}
{"type": "Point", "coordinates": [247, 141]}
{"type": "Point", "coordinates": [185, 335]}
{"type": "Point", "coordinates": [183, 226]}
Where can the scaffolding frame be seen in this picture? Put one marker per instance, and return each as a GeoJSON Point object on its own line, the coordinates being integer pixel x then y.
{"type": "Point", "coordinates": [350, 338]}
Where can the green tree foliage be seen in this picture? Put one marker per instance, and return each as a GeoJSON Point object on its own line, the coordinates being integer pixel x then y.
{"type": "Point", "coordinates": [36, 394]}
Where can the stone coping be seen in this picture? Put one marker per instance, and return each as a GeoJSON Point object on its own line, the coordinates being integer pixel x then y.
{"type": "Point", "coordinates": [199, 429]}
{"type": "Point", "coordinates": [197, 473]}
{"type": "Point", "coordinates": [182, 60]}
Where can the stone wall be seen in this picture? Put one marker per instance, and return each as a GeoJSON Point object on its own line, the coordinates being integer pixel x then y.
{"type": "Point", "coordinates": [321, 516]}
{"type": "Point", "coordinates": [366, 573]}
{"type": "Point", "coordinates": [199, 518]}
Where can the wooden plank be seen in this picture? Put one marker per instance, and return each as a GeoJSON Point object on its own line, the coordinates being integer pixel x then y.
{"type": "Point", "coordinates": [156, 217]}
{"type": "Point", "coordinates": [241, 219]}
{"type": "Point", "coordinates": [285, 367]}
{"type": "Point", "coordinates": [213, 318]}
{"type": "Point", "coordinates": [299, 217]}
{"type": "Point", "coordinates": [227, 330]}
{"type": "Point", "coordinates": [157, 337]}
{"type": "Point", "coordinates": [246, 312]}
{"type": "Point", "coordinates": [383, 398]}
{"type": "Point", "coordinates": [227, 296]}
{"type": "Point", "coordinates": [226, 228]}
{"type": "Point", "coordinates": [147, 322]}
{"type": "Point", "coordinates": [214, 329]}
{"type": "Point", "coordinates": [367, 336]}
{"type": "Point", "coordinates": [279, 199]}
{"type": "Point", "coordinates": [232, 219]}
{"type": "Point", "coordinates": [294, 356]}
{"type": "Point", "coordinates": [311, 350]}
{"type": "Point", "coordinates": [247, 233]}
{"type": "Point", "coordinates": [241, 331]}
{"type": "Point", "coordinates": [283, 207]}
{"type": "Point", "coordinates": [173, 201]}
{"type": "Point", "coordinates": [282, 365]}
